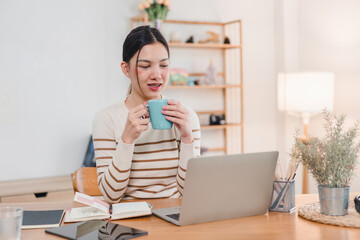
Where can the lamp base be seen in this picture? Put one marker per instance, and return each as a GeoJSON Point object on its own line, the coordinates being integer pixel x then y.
{"type": "Point", "coordinates": [305, 183]}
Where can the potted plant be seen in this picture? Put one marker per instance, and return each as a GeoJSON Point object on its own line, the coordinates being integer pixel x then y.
{"type": "Point", "coordinates": [331, 161]}
{"type": "Point", "coordinates": [156, 9]}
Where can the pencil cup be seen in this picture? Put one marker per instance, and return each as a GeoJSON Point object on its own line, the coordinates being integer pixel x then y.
{"type": "Point", "coordinates": [283, 196]}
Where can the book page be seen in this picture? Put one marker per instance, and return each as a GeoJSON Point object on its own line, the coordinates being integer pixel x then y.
{"type": "Point", "coordinates": [131, 207]}
{"type": "Point", "coordinates": [91, 201]}
{"type": "Point", "coordinates": [84, 212]}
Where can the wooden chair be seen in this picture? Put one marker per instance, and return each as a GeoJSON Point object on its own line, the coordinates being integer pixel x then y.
{"type": "Point", "coordinates": [85, 181]}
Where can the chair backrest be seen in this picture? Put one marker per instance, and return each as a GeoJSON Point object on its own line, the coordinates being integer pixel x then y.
{"type": "Point", "coordinates": [85, 181]}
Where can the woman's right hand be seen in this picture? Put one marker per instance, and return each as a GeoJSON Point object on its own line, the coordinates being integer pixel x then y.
{"type": "Point", "coordinates": [137, 122]}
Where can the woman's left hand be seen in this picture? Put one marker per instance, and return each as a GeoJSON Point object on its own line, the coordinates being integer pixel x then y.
{"type": "Point", "coordinates": [179, 115]}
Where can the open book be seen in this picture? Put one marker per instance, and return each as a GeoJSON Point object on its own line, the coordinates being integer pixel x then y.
{"type": "Point", "coordinates": [99, 209]}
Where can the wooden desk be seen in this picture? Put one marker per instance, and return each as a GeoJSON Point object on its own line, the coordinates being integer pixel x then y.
{"type": "Point", "coordinates": [274, 225]}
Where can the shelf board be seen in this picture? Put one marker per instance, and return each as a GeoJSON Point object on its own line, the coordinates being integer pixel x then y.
{"type": "Point", "coordinates": [220, 126]}
{"type": "Point", "coordinates": [211, 112]}
{"type": "Point", "coordinates": [194, 22]}
{"type": "Point", "coordinates": [216, 149]}
{"type": "Point", "coordinates": [143, 18]}
{"type": "Point", "coordinates": [203, 74]}
{"type": "Point", "coordinates": [204, 86]}
{"type": "Point", "coordinates": [204, 45]}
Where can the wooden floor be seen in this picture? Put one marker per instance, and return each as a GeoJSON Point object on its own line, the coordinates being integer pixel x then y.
{"type": "Point", "coordinates": [36, 190]}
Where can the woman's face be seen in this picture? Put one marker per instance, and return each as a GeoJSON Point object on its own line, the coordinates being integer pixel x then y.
{"type": "Point", "coordinates": [153, 71]}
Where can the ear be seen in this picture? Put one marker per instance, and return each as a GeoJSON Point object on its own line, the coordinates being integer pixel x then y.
{"type": "Point", "coordinates": [125, 68]}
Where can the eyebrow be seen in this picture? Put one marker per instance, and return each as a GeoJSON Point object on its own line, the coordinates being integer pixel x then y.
{"type": "Point", "coordinates": [148, 61]}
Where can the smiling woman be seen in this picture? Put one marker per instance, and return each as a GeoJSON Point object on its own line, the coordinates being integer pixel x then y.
{"type": "Point", "coordinates": [133, 160]}
{"type": "Point", "coordinates": [150, 70]}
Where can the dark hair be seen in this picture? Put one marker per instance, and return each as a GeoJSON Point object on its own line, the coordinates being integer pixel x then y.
{"type": "Point", "coordinates": [137, 39]}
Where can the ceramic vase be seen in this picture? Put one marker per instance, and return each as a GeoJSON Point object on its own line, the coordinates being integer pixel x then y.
{"type": "Point", "coordinates": [157, 23]}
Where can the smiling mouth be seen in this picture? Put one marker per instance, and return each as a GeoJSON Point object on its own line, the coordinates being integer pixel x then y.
{"type": "Point", "coordinates": [155, 85]}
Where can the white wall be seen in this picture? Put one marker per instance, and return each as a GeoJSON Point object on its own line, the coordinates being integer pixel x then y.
{"type": "Point", "coordinates": [60, 64]}
{"type": "Point", "coordinates": [328, 39]}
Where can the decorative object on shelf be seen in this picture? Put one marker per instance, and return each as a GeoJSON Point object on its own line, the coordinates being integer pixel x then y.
{"type": "Point", "coordinates": [203, 150]}
{"type": "Point", "coordinates": [210, 77]}
{"type": "Point", "coordinates": [331, 161]}
{"type": "Point", "coordinates": [305, 94]}
{"type": "Point", "coordinates": [212, 38]}
{"type": "Point", "coordinates": [156, 9]}
{"type": "Point", "coordinates": [178, 77]}
{"type": "Point", "coordinates": [217, 119]}
{"type": "Point", "coordinates": [226, 40]}
{"type": "Point", "coordinates": [190, 40]}
{"type": "Point", "coordinates": [191, 81]}
{"type": "Point", "coordinates": [175, 37]}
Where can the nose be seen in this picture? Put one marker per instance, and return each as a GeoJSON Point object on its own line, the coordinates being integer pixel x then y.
{"type": "Point", "coordinates": [156, 74]}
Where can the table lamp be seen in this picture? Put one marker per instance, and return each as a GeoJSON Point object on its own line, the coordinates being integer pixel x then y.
{"type": "Point", "coordinates": [305, 94]}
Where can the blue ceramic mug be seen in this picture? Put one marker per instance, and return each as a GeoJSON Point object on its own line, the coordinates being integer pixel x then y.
{"type": "Point", "coordinates": [157, 119]}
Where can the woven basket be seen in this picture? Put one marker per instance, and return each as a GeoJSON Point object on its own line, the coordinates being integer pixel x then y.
{"type": "Point", "coordinates": [311, 212]}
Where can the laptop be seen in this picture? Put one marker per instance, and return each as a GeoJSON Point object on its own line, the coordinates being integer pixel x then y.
{"type": "Point", "coordinates": [224, 187]}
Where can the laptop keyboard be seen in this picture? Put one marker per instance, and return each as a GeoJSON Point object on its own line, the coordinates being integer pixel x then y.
{"type": "Point", "coordinates": [175, 216]}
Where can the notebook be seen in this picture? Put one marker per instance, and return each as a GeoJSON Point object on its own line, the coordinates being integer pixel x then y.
{"type": "Point", "coordinates": [42, 219]}
{"type": "Point", "coordinates": [224, 187]}
{"type": "Point", "coordinates": [98, 209]}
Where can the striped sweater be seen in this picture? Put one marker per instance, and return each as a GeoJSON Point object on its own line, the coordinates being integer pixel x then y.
{"type": "Point", "coordinates": [153, 167]}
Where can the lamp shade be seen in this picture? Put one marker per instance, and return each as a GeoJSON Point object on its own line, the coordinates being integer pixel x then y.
{"type": "Point", "coordinates": [305, 92]}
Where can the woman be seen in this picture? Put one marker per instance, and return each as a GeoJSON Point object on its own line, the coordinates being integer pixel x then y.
{"type": "Point", "coordinates": [132, 159]}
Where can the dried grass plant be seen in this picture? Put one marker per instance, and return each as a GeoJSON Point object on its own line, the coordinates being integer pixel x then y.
{"type": "Point", "coordinates": [331, 160]}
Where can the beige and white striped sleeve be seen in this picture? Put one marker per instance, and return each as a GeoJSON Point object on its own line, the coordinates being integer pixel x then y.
{"type": "Point", "coordinates": [113, 160]}
{"type": "Point", "coordinates": [188, 151]}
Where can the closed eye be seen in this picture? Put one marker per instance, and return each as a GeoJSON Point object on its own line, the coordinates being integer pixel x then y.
{"type": "Point", "coordinates": [144, 66]}
{"type": "Point", "coordinates": [164, 66]}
